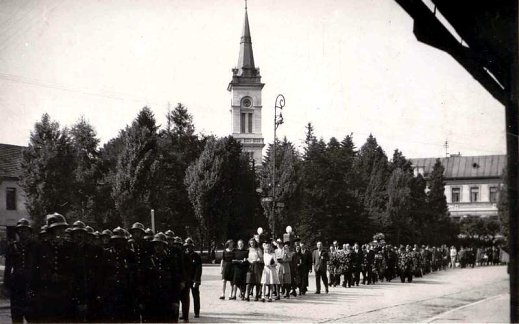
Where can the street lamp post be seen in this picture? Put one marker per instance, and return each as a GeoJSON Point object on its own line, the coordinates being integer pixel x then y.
{"type": "Point", "coordinates": [278, 120]}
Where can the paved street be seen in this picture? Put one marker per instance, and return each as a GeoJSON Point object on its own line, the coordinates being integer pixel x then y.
{"type": "Point", "coordinates": [461, 295]}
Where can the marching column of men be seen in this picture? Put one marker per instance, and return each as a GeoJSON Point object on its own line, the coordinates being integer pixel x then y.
{"type": "Point", "coordinates": [74, 274]}
{"type": "Point", "coordinates": [379, 262]}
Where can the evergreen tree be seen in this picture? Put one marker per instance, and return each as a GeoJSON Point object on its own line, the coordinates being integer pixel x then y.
{"type": "Point", "coordinates": [47, 172]}
{"type": "Point", "coordinates": [400, 161]}
{"type": "Point", "coordinates": [313, 195]}
{"type": "Point", "coordinates": [105, 213]}
{"type": "Point", "coordinates": [287, 184]}
{"type": "Point", "coordinates": [86, 172]}
{"type": "Point", "coordinates": [419, 210]}
{"type": "Point", "coordinates": [221, 188]}
{"type": "Point", "coordinates": [398, 219]}
{"type": "Point", "coordinates": [372, 165]}
{"type": "Point", "coordinates": [440, 226]}
{"type": "Point", "coordinates": [179, 147]}
{"type": "Point", "coordinates": [134, 189]}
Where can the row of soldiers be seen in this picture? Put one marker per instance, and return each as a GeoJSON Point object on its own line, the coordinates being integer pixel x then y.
{"type": "Point", "coordinates": [74, 274]}
{"type": "Point", "coordinates": [383, 262]}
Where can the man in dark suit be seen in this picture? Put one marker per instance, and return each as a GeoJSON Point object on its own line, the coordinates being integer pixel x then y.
{"type": "Point", "coordinates": [306, 267]}
{"type": "Point", "coordinates": [357, 258]}
{"type": "Point", "coordinates": [319, 260]}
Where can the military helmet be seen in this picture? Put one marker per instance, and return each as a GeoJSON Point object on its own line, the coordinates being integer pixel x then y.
{"type": "Point", "coordinates": [170, 234]}
{"type": "Point", "coordinates": [189, 242]}
{"type": "Point", "coordinates": [160, 238]}
{"type": "Point", "coordinates": [118, 234]}
{"type": "Point", "coordinates": [177, 240]}
{"type": "Point", "coordinates": [106, 232]}
{"type": "Point", "coordinates": [137, 227]}
{"type": "Point", "coordinates": [148, 234]}
{"type": "Point", "coordinates": [78, 226]}
{"type": "Point", "coordinates": [43, 229]}
{"type": "Point", "coordinates": [90, 230]}
{"type": "Point", "coordinates": [68, 230]}
{"type": "Point", "coordinates": [23, 223]}
{"type": "Point", "coordinates": [97, 234]}
{"type": "Point", "coordinates": [56, 220]}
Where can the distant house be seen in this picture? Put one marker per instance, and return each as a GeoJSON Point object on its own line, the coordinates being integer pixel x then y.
{"type": "Point", "coordinates": [12, 196]}
{"type": "Point", "coordinates": [471, 183]}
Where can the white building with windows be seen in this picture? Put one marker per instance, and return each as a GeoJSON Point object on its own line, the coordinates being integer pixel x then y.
{"type": "Point", "coordinates": [12, 197]}
{"type": "Point", "coordinates": [245, 88]}
{"type": "Point", "coordinates": [471, 183]}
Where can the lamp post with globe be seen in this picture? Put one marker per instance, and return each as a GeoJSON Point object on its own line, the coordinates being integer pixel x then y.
{"type": "Point", "coordinates": [278, 120]}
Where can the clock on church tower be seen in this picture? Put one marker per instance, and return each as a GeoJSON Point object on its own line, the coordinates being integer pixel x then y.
{"type": "Point", "coordinates": [245, 88]}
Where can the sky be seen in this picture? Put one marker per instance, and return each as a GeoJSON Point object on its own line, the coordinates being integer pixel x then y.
{"type": "Point", "coordinates": [347, 66]}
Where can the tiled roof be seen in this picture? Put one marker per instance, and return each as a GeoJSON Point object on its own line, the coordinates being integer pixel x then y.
{"type": "Point", "coordinates": [10, 160]}
{"type": "Point", "coordinates": [462, 167]}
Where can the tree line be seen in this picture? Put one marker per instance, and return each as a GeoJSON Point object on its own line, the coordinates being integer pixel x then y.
{"type": "Point", "coordinates": [208, 188]}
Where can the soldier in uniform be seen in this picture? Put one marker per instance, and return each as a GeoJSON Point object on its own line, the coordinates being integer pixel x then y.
{"type": "Point", "coordinates": [141, 252]}
{"type": "Point", "coordinates": [53, 274]}
{"type": "Point", "coordinates": [148, 234]}
{"type": "Point", "coordinates": [19, 263]}
{"type": "Point", "coordinates": [86, 275]}
{"type": "Point", "coordinates": [105, 238]}
{"type": "Point", "coordinates": [162, 284]}
{"type": "Point", "coordinates": [179, 272]}
{"type": "Point", "coordinates": [117, 291]}
{"type": "Point", "coordinates": [194, 272]}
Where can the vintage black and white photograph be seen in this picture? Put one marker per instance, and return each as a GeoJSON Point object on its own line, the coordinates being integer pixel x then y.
{"type": "Point", "coordinates": [225, 161]}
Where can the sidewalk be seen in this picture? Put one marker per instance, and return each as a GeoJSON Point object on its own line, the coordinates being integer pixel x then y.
{"type": "Point", "coordinates": [495, 309]}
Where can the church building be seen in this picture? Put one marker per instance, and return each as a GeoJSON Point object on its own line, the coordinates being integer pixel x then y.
{"type": "Point", "coordinates": [245, 88]}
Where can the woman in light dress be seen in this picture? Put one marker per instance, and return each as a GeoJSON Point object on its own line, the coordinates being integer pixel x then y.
{"type": "Point", "coordinates": [255, 259]}
{"type": "Point", "coordinates": [269, 278]}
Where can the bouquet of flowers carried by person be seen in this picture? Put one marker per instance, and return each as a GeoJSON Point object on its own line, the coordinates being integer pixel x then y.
{"type": "Point", "coordinates": [344, 261]}
{"type": "Point", "coordinates": [334, 263]}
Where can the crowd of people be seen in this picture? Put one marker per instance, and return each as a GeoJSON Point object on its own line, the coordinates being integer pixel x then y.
{"type": "Point", "coordinates": [66, 273]}
{"type": "Point", "coordinates": [72, 273]}
{"type": "Point", "coordinates": [271, 269]}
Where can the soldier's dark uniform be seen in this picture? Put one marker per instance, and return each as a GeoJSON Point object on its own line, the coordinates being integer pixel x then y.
{"type": "Point", "coordinates": [117, 293]}
{"type": "Point", "coordinates": [88, 272]}
{"type": "Point", "coordinates": [53, 275]}
{"type": "Point", "coordinates": [179, 272]}
{"type": "Point", "coordinates": [19, 264]}
{"type": "Point", "coordinates": [163, 284]}
{"type": "Point", "coordinates": [194, 276]}
{"type": "Point", "coordinates": [141, 251]}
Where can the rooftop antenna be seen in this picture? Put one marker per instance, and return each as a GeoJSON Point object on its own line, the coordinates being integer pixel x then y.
{"type": "Point", "coordinates": [446, 145]}
{"type": "Point", "coordinates": [245, 4]}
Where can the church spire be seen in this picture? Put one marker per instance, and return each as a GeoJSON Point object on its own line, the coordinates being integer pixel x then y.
{"type": "Point", "coordinates": [246, 58]}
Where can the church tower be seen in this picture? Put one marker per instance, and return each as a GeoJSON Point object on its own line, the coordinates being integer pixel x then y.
{"type": "Point", "coordinates": [245, 88]}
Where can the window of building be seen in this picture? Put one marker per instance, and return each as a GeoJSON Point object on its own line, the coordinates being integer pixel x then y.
{"type": "Point", "coordinates": [455, 194]}
{"type": "Point", "coordinates": [474, 194]}
{"type": "Point", "coordinates": [242, 122]}
{"type": "Point", "coordinates": [10, 198]}
{"type": "Point", "coordinates": [492, 195]}
{"type": "Point", "coordinates": [250, 122]}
